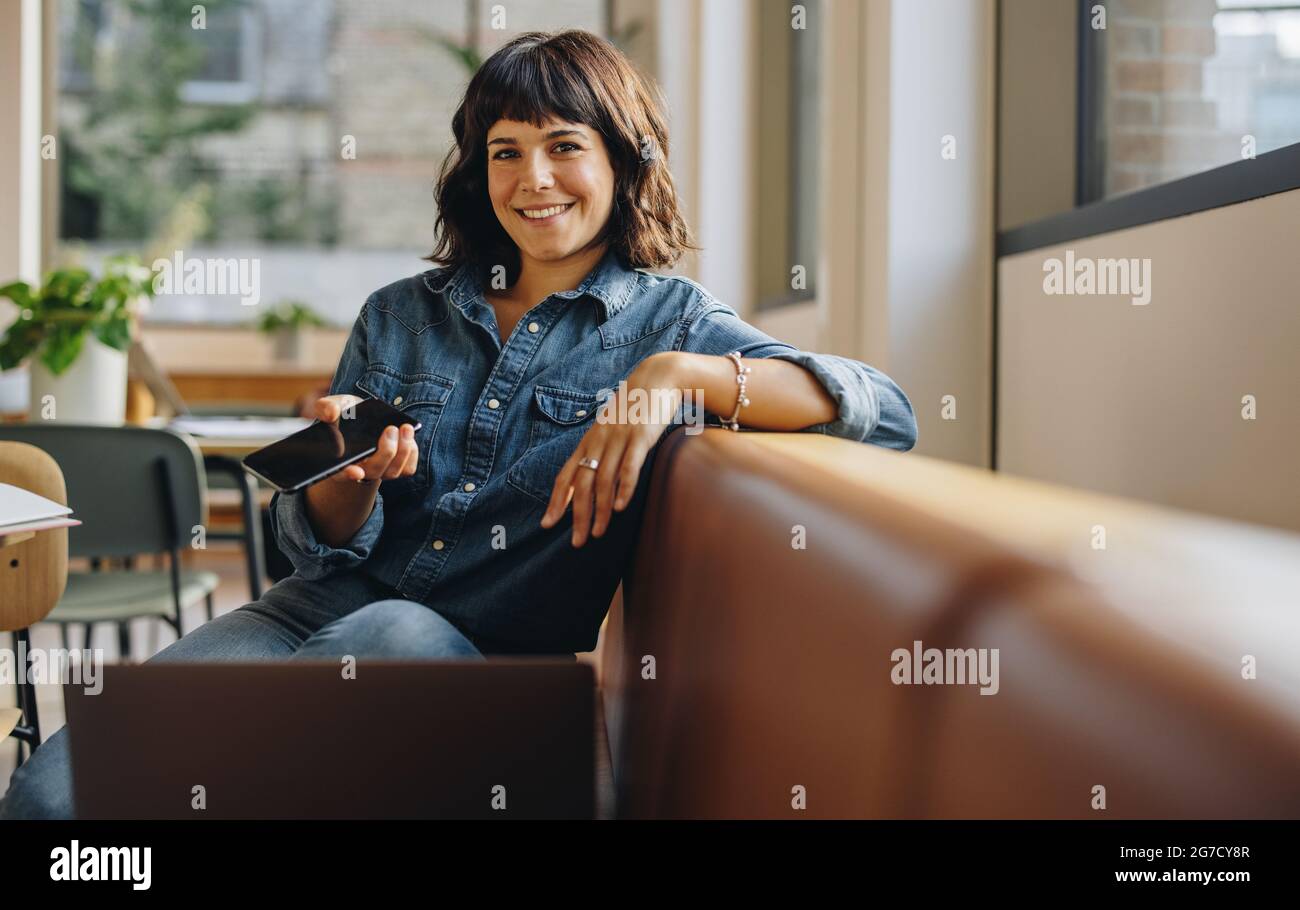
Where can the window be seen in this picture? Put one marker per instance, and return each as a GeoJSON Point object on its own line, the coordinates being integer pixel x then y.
{"type": "Point", "coordinates": [788, 124]}
{"type": "Point", "coordinates": [304, 135]}
{"type": "Point", "coordinates": [1173, 89]}
{"type": "Point", "coordinates": [229, 48]}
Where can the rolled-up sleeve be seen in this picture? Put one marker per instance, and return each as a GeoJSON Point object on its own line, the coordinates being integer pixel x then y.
{"type": "Point", "coordinates": [870, 406]}
{"type": "Point", "coordinates": [312, 559]}
{"type": "Point", "coordinates": [289, 523]}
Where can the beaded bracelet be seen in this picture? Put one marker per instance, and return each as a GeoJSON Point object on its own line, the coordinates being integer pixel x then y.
{"type": "Point", "coordinates": [741, 401]}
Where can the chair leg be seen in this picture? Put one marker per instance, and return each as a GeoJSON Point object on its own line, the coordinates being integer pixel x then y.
{"type": "Point", "coordinates": [26, 692]}
{"type": "Point", "coordinates": [124, 642]}
{"type": "Point", "coordinates": [11, 642]}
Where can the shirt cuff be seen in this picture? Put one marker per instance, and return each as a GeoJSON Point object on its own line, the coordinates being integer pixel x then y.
{"type": "Point", "coordinates": [312, 559]}
{"type": "Point", "coordinates": [856, 404]}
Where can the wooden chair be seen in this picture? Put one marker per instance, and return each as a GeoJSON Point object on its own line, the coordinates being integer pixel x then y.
{"type": "Point", "coordinates": [33, 576]}
{"type": "Point", "coordinates": [138, 491]}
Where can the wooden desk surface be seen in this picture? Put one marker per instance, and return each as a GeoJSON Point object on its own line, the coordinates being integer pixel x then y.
{"type": "Point", "coordinates": [233, 448]}
{"type": "Point", "coordinates": [283, 386]}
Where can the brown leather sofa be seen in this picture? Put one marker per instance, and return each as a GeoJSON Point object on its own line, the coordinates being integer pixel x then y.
{"type": "Point", "coordinates": [745, 676]}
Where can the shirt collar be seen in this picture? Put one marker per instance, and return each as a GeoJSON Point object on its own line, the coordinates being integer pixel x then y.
{"type": "Point", "coordinates": [610, 282]}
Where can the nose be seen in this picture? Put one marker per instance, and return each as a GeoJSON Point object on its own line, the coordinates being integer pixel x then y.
{"type": "Point", "coordinates": [537, 174]}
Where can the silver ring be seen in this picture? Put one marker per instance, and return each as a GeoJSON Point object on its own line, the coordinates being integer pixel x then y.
{"type": "Point", "coordinates": [587, 462]}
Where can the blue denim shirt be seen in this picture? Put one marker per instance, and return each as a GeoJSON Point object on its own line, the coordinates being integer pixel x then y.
{"type": "Point", "coordinates": [499, 421]}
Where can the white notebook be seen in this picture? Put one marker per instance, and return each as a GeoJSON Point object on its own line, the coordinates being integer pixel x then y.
{"type": "Point", "coordinates": [19, 506]}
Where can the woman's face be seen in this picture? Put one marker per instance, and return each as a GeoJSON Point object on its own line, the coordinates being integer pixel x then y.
{"type": "Point", "coordinates": [552, 187]}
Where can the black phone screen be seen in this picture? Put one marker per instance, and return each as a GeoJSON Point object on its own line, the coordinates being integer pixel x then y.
{"type": "Point", "coordinates": [323, 449]}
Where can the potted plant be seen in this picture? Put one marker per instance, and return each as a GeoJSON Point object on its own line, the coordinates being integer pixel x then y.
{"type": "Point", "coordinates": [76, 330]}
{"type": "Point", "coordinates": [285, 323]}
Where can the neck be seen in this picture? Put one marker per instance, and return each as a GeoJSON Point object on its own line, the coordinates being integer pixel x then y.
{"type": "Point", "coordinates": [539, 280]}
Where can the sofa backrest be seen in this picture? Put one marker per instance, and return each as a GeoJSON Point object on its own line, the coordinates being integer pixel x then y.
{"type": "Point", "coordinates": [780, 576]}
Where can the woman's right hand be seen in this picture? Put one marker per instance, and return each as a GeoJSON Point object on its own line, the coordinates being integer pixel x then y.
{"type": "Point", "coordinates": [397, 455]}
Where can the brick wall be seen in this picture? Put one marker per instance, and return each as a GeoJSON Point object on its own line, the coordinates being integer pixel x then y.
{"type": "Point", "coordinates": [395, 90]}
{"type": "Point", "coordinates": [374, 71]}
{"type": "Point", "coordinates": [1158, 123]}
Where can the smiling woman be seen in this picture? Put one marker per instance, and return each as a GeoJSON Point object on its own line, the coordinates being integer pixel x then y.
{"type": "Point", "coordinates": [550, 188]}
{"type": "Point", "coordinates": [560, 160]}
{"type": "Point", "coordinates": [451, 540]}
{"type": "Point", "coordinates": [556, 120]}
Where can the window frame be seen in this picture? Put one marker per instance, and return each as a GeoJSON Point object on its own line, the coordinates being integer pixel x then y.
{"type": "Point", "coordinates": [1272, 172]}
{"type": "Point", "coordinates": [247, 87]}
{"type": "Point", "coordinates": [800, 179]}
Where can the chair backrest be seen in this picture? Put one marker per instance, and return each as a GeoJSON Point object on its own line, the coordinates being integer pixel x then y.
{"type": "Point", "coordinates": [33, 573]}
{"type": "Point", "coordinates": [136, 490]}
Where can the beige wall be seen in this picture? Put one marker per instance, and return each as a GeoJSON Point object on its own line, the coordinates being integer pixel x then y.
{"type": "Point", "coordinates": [1146, 401]}
{"type": "Point", "coordinates": [773, 218]}
{"type": "Point", "coordinates": [20, 141]}
{"type": "Point", "coordinates": [928, 221]}
{"type": "Point", "coordinates": [1038, 73]}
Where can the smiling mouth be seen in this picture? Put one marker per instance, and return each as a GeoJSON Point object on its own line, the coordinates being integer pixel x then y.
{"type": "Point", "coordinates": [544, 215]}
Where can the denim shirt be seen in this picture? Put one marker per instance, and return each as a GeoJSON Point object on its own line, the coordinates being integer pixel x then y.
{"type": "Point", "coordinates": [498, 422]}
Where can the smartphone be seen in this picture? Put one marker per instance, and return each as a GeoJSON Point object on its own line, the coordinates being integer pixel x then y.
{"type": "Point", "coordinates": [322, 449]}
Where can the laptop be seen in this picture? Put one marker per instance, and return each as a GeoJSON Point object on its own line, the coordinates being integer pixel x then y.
{"type": "Point", "coordinates": [504, 738]}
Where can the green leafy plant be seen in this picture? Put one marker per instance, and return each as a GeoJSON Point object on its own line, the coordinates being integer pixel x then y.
{"type": "Point", "coordinates": [290, 314]}
{"type": "Point", "coordinates": [54, 319]}
{"type": "Point", "coordinates": [467, 55]}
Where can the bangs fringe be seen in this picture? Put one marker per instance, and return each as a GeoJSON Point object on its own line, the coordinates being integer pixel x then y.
{"type": "Point", "coordinates": [576, 77]}
{"type": "Point", "coordinates": [532, 84]}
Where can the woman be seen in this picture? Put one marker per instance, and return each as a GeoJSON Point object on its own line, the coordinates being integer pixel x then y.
{"type": "Point", "coordinates": [503, 525]}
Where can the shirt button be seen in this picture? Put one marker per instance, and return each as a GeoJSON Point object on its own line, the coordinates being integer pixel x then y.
{"type": "Point", "coordinates": [469, 488]}
{"type": "Point", "coordinates": [397, 400]}
{"type": "Point", "coordinates": [438, 544]}
{"type": "Point", "coordinates": [493, 403]}
{"type": "Point", "coordinates": [582, 413]}
{"type": "Point", "coordinates": [533, 327]}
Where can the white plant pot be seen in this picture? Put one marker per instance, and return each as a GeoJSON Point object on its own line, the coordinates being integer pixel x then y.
{"type": "Point", "coordinates": [287, 346]}
{"type": "Point", "coordinates": [92, 390]}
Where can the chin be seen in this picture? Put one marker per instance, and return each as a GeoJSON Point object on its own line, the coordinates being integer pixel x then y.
{"type": "Point", "coordinates": [551, 254]}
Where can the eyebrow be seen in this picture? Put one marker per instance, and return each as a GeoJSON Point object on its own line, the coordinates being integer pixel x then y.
{"type": "Point", "coordinates": [553, 134]}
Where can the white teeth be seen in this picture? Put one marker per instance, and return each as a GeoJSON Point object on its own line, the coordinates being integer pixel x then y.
{"type": "Point", "coordinates": [545, 213]}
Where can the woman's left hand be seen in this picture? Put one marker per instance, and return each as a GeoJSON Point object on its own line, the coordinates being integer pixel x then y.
{"type": "Point", "coordinates": [619, 448]}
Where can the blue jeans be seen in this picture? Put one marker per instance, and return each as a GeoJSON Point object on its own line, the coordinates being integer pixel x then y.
{"type": "Point", "coordinates": [295, 619]}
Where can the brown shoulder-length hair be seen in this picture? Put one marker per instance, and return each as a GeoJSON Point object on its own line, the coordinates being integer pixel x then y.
{"type": "Point", "coordinates": [580, 78]}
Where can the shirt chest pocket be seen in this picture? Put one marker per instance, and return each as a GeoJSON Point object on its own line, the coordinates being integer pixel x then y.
{"type": "Point", "coordinates": [424, 397]}
{"type": "Point", "coordinates": [558, 420]}
{"type": "Point", "coordinates": [557, 411]}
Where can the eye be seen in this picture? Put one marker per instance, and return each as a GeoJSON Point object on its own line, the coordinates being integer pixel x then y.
{"type": "Point", "coordinates": [561, 147]}
{"type": "Point", "coordinates": [497, 156]}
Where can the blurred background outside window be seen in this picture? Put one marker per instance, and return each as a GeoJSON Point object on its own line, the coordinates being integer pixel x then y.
{"type": "Point", "coordinates": [307, 134]}
{"type": "Point", "coordinates": [1179, 88]}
